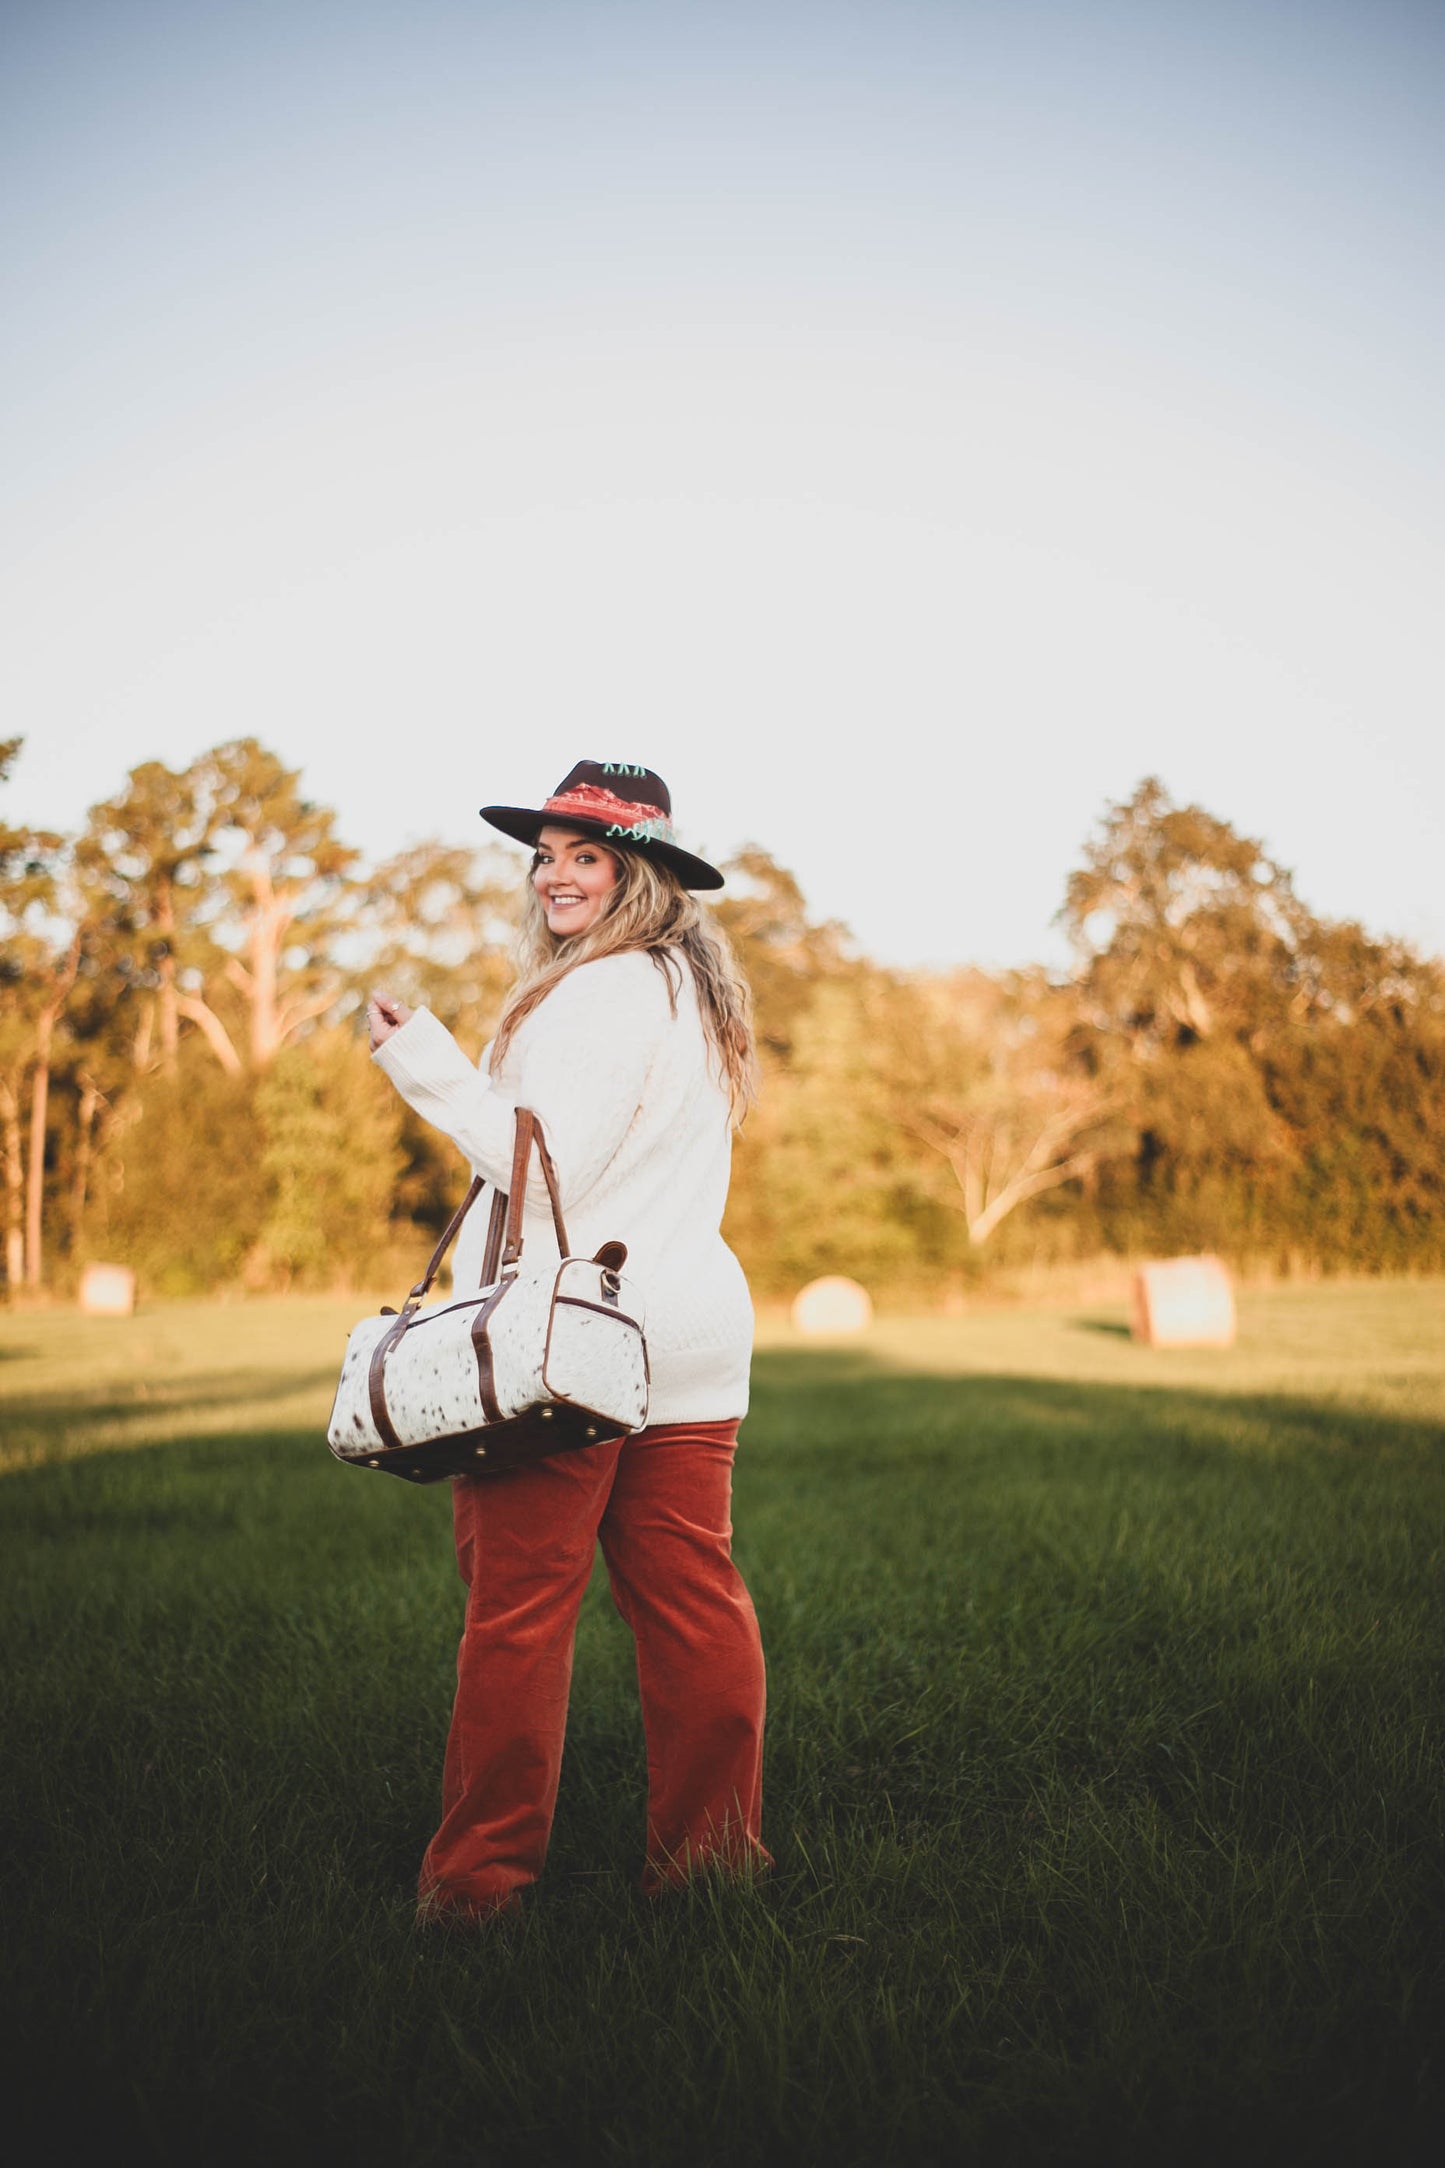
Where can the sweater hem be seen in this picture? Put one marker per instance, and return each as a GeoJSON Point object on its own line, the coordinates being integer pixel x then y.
{"type": "Point", "coordinates": [696, 1407]}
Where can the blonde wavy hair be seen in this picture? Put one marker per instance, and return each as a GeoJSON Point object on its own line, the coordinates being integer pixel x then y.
{"type": "Point", "coordinates": [648, 909]}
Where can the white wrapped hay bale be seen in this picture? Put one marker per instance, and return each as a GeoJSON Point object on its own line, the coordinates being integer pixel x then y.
{"type": "Point", "coordinates": [832, 1305]}
{"type": "Point", "coordinates": [107, 1291]}
{"type": "Point", "coordinates": [1184, 1302]}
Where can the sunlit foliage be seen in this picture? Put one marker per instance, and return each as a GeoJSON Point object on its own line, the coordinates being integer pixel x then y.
{"type": "Point", "coordinates": [183, 1084]}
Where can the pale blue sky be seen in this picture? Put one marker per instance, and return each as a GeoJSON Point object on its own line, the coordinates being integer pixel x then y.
{"type": "Point", "coordinates": [904, 426]}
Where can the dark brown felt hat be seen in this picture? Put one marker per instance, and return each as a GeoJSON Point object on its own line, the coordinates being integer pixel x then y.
{"type": "Point", "coordinates": [627, 808]}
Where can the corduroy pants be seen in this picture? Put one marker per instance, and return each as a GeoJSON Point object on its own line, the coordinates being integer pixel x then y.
{"type": "Point", "coordinates": [660, 1504]}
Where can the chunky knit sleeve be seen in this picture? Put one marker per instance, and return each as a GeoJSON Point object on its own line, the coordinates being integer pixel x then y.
{"type": "Point", "coordinates": [580, 1061]}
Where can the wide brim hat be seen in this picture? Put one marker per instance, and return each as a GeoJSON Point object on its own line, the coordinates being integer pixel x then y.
{"type": "Point", "coordinates": [627, 808]}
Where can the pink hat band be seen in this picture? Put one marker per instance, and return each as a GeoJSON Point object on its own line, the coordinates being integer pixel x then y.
{"type": "Point", "coordinates": [627, 820]}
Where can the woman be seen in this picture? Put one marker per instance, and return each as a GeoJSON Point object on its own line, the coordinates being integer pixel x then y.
{"type": "Point", "coordinates": [628, 1032]}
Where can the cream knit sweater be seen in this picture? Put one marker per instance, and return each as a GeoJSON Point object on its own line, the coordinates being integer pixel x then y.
{"type": "Point", "coordinates": [637, 1123]}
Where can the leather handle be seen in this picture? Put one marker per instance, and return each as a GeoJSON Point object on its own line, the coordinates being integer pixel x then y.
{"type": "Point", "coordinates": [506, 1214]}
{"type": "Point", "coordinates": [504, 1220]}
{"type": "Point", "coordinates": [554, 1193]}
{"type": "Point", "coordinates": [496, 1225]}
{"type": "Point", "coordinates": [423, 1285]}
{"type": "Point", "coordinates": [529, 1133]}
{"type": "Point", "coordinates": [376, 1380]}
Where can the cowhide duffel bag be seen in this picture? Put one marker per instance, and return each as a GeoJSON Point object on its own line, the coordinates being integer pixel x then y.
{"type": "Point", "coordinates": [539, 1360]}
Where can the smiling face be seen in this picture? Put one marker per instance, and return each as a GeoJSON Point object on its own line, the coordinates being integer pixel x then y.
{"type": "Point", "coordinates": [574, 876]}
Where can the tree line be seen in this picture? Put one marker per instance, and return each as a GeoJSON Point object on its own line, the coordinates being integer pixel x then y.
{"type": "Point", "coordinates": [184, 1084]}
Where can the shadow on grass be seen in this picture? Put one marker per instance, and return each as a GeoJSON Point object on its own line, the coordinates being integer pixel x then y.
{"type": "Point", "coordinates": [53, 1419]}
{"type": "Point", "coordinates": [815, 1400]}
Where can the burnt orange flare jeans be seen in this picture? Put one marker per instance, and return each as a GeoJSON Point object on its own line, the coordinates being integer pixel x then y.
{"type": "Point", "coordinates": [660, 1504]}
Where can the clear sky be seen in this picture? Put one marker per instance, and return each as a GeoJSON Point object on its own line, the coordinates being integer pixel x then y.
{"type": "Point", "coordinates": [903, 423]}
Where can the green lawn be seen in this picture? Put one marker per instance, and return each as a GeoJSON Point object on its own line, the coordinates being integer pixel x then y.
{"type": "Point", "coordinates": [1104, 1767]}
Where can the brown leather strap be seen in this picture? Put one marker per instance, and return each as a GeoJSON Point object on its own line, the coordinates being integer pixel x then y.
{"type": "Point", "coordinates": [376, 1380]}
{"type": "Point", "coordinates": [529, 1132]}
{"type": "Point", "coordinates": [517, 1187]}
{"type": "Point", "coordinates": [549, 1176]}
{"type": "Point", "coordinates": [496, 1223]}
{"type": "Point", "coordinates": [491, 1257]}
{"type": "Point", "coordinates": [420, 1291]}
{"type": "Point", "coordinates": [482, 1349]}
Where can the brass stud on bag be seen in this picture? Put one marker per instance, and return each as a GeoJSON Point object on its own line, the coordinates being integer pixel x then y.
{"type": "Point", "coordinates": [480, 1451]}
{"type": "Point", "coordinates": [373, 1464]}
{"type": "Point", "coordinates": [591, 1430]}
{"type": "Point", "coordinates": [545, 1414]}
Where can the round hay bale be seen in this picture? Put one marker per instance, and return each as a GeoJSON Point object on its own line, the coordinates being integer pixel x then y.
{"type": "Point", "coordinates": [107, 1291]}
{"type": "Point", "coordinates": [832, 1305]}
{"type": "Point", "coordinates": [1184, 1302]}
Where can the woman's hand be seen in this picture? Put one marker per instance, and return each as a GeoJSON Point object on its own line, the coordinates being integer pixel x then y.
{"type": "Point", "coordinates": [384, 1015]}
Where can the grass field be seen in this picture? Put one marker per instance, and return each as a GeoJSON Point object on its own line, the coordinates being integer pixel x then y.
{"type": "Point", "coordinates": [1104, 1779]}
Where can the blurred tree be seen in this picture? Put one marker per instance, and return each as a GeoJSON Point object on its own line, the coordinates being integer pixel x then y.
{"type": "Point", "coordinates": [815, 1130]}
{"type": "Point", "coordinates": [784, 954]}
{"type": "Point", "coordinates": [143, 858]}
{"type": "Point", "coordinates": [178, 1192]}
{"type": "Point", "coordinates": [279, 900]}
{"type": "Point", "coordinates": [41, 933]}
{"type": "Point", "coordinates": [439, 923]}
{"type": "Point", "coordinates": [826, 1178]}
{"type": "Point", "coordinates": [1188, 940]}
{"type": "Point", "coordinates": [91, 1104]}
{"type": "Point", "coordinates": [23, 883]}
{"type": "Point", "coordinates": [1253, 1045]}
{"type": "Point", "coordinates": [1359, 1077]}
{"type": "Point", "coordinates": [17, 870]}
{"type": "Point", "coordinates": [330, 1157]}
{"type": "Point", "coordinates": [1184, 930]}
{"type": "Point", "coordinates": [998, 1087]}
